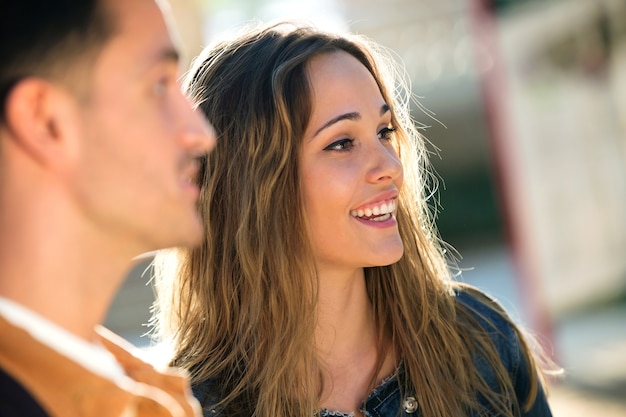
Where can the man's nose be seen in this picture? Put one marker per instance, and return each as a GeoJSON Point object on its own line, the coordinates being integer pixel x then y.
{"type": "Point", "coordinates": [198, 135]}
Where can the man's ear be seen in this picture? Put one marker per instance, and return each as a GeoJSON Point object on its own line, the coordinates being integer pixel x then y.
{"type": "Point", "coordinates": [41, 117]}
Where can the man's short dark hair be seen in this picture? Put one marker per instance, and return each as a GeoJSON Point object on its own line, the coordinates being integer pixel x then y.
{"type": "Point", "coordinates": [45, 38]}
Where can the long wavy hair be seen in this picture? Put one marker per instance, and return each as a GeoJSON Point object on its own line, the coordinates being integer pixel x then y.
{"type": "Point", "coordinates": [241, 308]}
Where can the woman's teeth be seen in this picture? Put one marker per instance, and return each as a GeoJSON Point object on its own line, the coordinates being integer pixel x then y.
{"type": "Point", "coordinates": [377, 213]}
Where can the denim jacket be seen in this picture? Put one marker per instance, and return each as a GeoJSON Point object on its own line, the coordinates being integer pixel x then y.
{"type": "Point", "coordinates": [388, 400]}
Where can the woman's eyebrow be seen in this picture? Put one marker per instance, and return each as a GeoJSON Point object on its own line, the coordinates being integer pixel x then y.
{"type": "Point", "coordinates": [348, 116]}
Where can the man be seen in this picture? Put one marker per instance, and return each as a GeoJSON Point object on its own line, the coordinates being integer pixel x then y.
{"type": "Point", "coordinates": [98, 156]}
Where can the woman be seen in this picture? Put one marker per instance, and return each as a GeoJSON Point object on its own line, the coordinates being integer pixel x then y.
{"type": "Point", "coordinates": [321, 288]}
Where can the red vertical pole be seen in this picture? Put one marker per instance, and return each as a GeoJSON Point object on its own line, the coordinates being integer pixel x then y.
{"type": "Point", "coordinates": [508, 170]}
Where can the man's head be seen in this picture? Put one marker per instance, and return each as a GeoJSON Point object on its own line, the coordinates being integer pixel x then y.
{"type": "Point", "coordinates": [91, 107]}
{"type": "Point", "coordinates": [45, 39]}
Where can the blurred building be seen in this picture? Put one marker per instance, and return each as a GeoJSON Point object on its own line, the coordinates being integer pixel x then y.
{"type": "Point", "coordinates": [532, 97]}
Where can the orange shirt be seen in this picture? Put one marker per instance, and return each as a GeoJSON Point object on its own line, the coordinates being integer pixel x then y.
{"type": "Point", "coordinates": [63, 387]}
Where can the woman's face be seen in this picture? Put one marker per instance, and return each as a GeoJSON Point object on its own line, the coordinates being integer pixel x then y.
{"type": "Point", "coordinates": [350, 170]}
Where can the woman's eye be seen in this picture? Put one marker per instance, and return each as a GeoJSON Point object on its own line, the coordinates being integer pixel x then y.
{"type": "Point", "coordinates": [386, 133]}
{"type": "Point", "coordinates": [340, 145]}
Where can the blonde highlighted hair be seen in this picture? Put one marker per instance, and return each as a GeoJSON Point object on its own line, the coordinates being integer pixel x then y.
{"type": "Point", "coordinates": [241, 308]}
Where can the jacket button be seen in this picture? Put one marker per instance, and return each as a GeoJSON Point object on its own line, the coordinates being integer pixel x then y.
{"type": "Point", "coordinates": [410, 405]}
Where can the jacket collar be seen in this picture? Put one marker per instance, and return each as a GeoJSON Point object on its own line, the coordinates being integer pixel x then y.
{"type": "Point", "coordinates": [64, 387]}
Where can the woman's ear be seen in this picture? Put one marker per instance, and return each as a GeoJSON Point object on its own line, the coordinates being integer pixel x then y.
{"type": "Point", "coordinates": [41, 118]}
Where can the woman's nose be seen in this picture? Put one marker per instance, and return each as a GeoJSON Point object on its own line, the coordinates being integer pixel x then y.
{"type": "Point", "coordinates": [386, 164]}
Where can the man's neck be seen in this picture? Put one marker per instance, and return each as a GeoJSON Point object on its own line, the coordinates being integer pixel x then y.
{"type": "Point", "coordinates": [58, 268]}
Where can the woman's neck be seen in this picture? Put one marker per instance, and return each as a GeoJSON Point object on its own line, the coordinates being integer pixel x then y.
{"type": "Point", "coordinates": [345, 320]}
{"type": "Point", "coordinates": [347, 342]}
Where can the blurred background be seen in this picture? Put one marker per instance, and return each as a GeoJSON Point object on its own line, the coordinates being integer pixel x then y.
{"type": "Point", "coordinates": [524, 103]}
